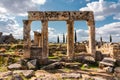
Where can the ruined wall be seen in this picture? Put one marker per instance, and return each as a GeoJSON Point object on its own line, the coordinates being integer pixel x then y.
{"type": "Point", "coordinates": [69, 17]}
{"type": "Point", "coordinates": [113, 50]}
{"type": "Point", "coordinates": [37, 39]}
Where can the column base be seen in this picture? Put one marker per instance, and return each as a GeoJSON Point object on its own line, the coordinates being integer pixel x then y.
{"type": "Point", "coordinates": [43, 61]}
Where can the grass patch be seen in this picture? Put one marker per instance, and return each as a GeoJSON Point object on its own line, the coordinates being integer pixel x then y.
{"type": "Point", "coordinates": [91, 66]}
{"type": "Point", "coordinates": [53, 57]}
{"type": "Point", "coordinates": [3, 69]}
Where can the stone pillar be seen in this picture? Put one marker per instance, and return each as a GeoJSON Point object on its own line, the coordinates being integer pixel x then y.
{"type": "Point", "coordinates": [70, 39]}
{"type": "Point", "coordinates": [26, 38]}
{"type": "Point", "coordinates": [44, 41]}
{"type": "Point", "coordinates": [92, 46]}
{"type": "Point", "coordinates": [40, 40]}
{"type": "Point", "coordinates": [36, 41]}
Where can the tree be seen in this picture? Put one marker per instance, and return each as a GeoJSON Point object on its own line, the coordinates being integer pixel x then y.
{"type": "Point", "coordinates": [63, 38]}
{"type": "Point", "coordinates": [75, 36]}
{"type": "Point", "coordinates": [58, 39]}
{"type": "Point", "coordinates": [66, 38]}
{"type": "Point", "coordinates": [110, 38]}
{"type": "Point", "coordinates": [100, 39]}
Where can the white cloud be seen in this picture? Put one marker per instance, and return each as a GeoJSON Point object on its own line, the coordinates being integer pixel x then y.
{"type": "Point", "coordinates": [2, 10]}
{"type": "Point", "coordinates": [39, 1]}
{"type": "Point", "coordinates": [103, 9]}
{"type": "Point", "coordinates": [106, 30]}
{"type": "Point", "coordinates": [9, 25]}
{"type": "Point", "coordinates": [19, 7]}
{"type": "Point", "coordinates": [82, 35]}
{"type": "Point", "coordinates": [9, 9]}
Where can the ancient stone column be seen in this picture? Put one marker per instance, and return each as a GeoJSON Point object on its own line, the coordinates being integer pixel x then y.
{"type": "Point", "coordinates": [26, 38]}
{"type": "Point", "coordinates": [36, 41]}
{"type": "Point", "coordinates": [44, 40]}
{"type": "Point", "coordinates": [92, 46]}
{"type": "Point", "coordinates": [70, 39]}
{"type": "Point", "coordinates": [40, 40]}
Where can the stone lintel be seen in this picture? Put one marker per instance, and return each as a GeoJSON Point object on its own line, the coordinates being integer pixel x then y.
{"type": "Point", "coordinates": [59, 15]}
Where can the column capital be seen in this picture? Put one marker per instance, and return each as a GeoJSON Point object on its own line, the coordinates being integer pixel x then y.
{"type": "Point", "coordinates": [44, 21]}
{"type": "Point", "coordinates": [70, 20]}
{"type": "Point", "coordinates": [27, 22]}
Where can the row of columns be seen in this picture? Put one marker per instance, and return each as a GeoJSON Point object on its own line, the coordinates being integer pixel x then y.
{"type": "Point", "coordinates": [70, 38]}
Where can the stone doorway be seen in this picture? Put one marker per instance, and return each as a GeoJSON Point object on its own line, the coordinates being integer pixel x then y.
{"type": "Point", "coordinates": [69, 17]}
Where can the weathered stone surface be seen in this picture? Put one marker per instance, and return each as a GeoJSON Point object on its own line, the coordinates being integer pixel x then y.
{"type": "Point", "coordinates": [16, 77]}
{"type": "Point", "coordinates": [59, 15]}
{"type": "Point", "coordinates": [98, 56]}
{"type": "Point", "coordinates": [56, 65]}
{"type": "Point", "coordinates": [5, 74]}
{"type": "Point", "coordinates": [71, 76]}
{"type": "Point", "coordinates": [15, 66]}
{"type": "Point", "coordinates": [70, 39]}
{"type": "Point", "coordinates": [26, 73]}
{"type": "Point", "coordinates": [32, 64]}
{"type": "Point", "coordinates": [99, 78]}
{"type": "Point", "coordinates": [107, 62]}
{"type": "Point", "coordinates": [118, 62]}
{"type": "Point", "coordinates": [108, 69]}
{"type": "Point", "coordinates": [87, 77]}
{"type": "Point", "coordinates": [73, 65]}
{"type": "Point", "coordinates": [117, 72]}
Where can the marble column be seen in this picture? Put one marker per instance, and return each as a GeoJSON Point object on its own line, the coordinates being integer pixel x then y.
{"type": "Point", "coordinates": [70, 39]}
{"type": "Point", "coordinates": [44, 40]}
{"type": "Point", "coordinates": [92, 46]}
{"type": "Point", "coordinates": [26, 38]}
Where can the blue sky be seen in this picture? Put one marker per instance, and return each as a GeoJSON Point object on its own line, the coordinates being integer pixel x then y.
{"type": "Point", "coordinates": [106, 13]}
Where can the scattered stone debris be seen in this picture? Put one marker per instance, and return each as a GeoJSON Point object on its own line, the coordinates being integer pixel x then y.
{"type": "Point", "coordinates": [16, 77]}
{"type": "Point", "coordinates": [26, 73]}
{"type": "Point", "coordinates": [32, 64]}
{"type": "Point", "coordinates": [56, 65]}
{"type": "Point", "coordinates": [107, 62]}
{"type": "Point", "coordinates": [73, 65]}
{"type": "Point", "coordinates": [117, 72]}
{"type": "Point", "coordinates": [5, 74]}
{"type": "Point", "coordinates": [108, 69]}
{"type": "Point", "coordinates": [15, 66]}
{"type": "Point", "coordinates": [71, 76]}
